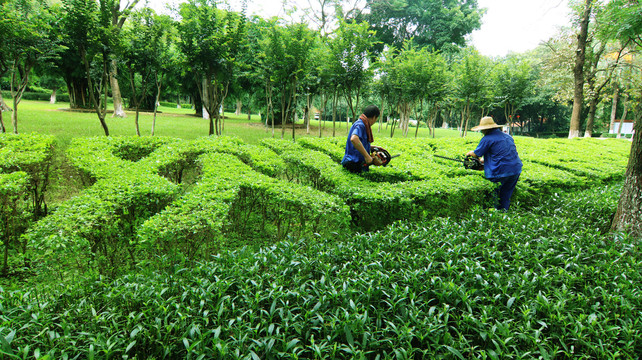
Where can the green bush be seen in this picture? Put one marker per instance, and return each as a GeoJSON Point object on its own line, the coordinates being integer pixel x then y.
{"type": "Point", "coordinates": [25, 169]}
{"type": "Point", "coordinates": [374, 205]}
{"type": "Point", "coordinates": [241, 194]}
{"type": "Point", "coordinates": [33, 154]}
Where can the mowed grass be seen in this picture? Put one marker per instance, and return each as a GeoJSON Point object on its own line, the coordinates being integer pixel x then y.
{"type": "Point", "coordinates": [58, 120]}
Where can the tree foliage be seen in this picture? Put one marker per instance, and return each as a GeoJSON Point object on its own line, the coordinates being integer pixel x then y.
{"type": "Point", "coordinates": [428, 23]}
{"type": "Point", "coordinates": [210, 41]}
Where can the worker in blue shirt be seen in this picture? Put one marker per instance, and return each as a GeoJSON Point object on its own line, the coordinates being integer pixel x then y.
{"type": "Point", "coordinates": [501, 162]}
{"type": "Point", "coordinates": [357, 156]}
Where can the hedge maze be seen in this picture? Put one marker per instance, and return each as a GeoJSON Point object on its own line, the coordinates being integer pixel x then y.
{"type": "Point", "coordinates": [149, 196]}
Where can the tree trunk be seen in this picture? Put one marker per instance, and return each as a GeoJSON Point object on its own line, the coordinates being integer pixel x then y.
{"type": "Point", "coordinates": [52, 98]}
{"type": "Point", "coordinates": [624, 114]}
{"type": "Point", "coordinates": [628, 216]}
{"type": "Point", "coordinates": [14, 115]}
{"type": "Point", "coordinates": [383, 107]}
{"type": "Point", "coordinates": [616, 96]}
{"type": "Point", "coordinates": [159, 84]}
{"type": "Point", "coordinates": [2, 129]}
{"type": "Point", "coordinates": [578, 71]}
{"type": "Point", "coordinates": [334, 113]}
{"type": "Point", "coordinates": [92, 96]}
{"type": "Point", "coordinates": [591, 118]}
{"type": "Point", "coordinates": [3, 105]}
{"type": "Point", "coordinates": [115, 91]}
{"type": "Point", "coordinates": [307, 114]}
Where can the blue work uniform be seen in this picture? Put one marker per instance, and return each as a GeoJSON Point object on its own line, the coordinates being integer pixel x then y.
{"type": "Point", "coordinates": [501, 164]}
{"type": "Point", "coordinates": [352, 159]}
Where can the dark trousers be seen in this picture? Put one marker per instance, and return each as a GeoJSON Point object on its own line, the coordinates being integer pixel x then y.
{"type": "Point", "coordinates": [354, 167]}
{"type": "Point", "coordinates": [504, 191]}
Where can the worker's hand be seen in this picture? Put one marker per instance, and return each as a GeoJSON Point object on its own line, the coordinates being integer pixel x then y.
{"type": "Point", "coordinates": [369, 159]}
{"type": "Point", "coordinates": [376, 161]}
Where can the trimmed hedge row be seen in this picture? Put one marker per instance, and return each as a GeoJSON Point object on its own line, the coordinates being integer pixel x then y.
{"type": "Point", "coordinates": [33, 154]}
{"type": "Point", "coordinates": [13, 213]}
{"type": "Point", "coordinates": [107, 224]}
{"type": "Point", "coordinates": [97, 229]}
{"type": "Point", "coordinates": [231, 201]}
{"type": "Point", "coordinates": [25, 169]}
{"type": "Point", "coordinates": [239, 194]}
{"type": "Point", "coordinates": [375, 205]}
{"type": "Point", "coordinates": [40, 96]}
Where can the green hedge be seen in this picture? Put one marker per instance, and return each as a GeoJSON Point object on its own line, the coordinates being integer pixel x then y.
{"type": "Point", "coordinates": [33, 154]}
{"type": "Point", "coordinates": [40, 96]}
{"type": "Point", "coordinates": [374, 205]}
{"type": "Point", "coordinates": [13, 214]}
{"type": "Point", "coordinates": [96, 231]}
{"type": "Point", "coordinates": [26, 166]}
{"type": "Point", "coordinates": [233, 201]}
{"type": "Point", "coordinates": [239, 194]}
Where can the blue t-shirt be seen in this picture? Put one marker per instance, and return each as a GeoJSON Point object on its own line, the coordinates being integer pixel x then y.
{"type": "Point", "coordinates": [500, 155]}
{"type": "Point", "coordinates": [352, 154]}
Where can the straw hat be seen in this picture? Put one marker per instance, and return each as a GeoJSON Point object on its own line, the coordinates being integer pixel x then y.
{"type": "Point", "coordinates": [486, 123]}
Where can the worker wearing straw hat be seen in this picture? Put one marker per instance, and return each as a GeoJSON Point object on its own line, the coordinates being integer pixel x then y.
{"type": "Point", "coordinates": [501, 162]}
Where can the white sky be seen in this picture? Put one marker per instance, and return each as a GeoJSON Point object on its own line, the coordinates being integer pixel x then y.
{"type": "Point", "coordinates": [518, 25]}
{"type": "Point", "coordinates": [508, 26]}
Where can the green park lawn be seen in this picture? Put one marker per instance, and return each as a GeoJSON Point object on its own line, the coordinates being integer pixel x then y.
{"type": "Point", "coordinates": [58, 120]}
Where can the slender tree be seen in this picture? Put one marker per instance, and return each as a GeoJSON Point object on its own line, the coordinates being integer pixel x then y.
{"type": "Point", "coordinates": [118, 18]}
{"type": "Point", "coordinates": [578, 69]}
{"type": "Point", "coordinates": [513, 84]}
{"type": "Point", "coordinates": [146, 56]}
{"type": "Point", "coordinates": [25, 43]}
{"type": "Point", "coordinates": [470, 84]}
{"type": "Point", "coordinates": [210, 42]}
{"type": "Point", "coordinates": [350, 47]}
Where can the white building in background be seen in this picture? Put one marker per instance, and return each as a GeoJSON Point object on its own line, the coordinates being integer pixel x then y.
{"type": "Point", "coordinates": [627, 127]}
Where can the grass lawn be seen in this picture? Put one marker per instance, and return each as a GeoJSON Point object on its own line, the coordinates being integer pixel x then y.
{"type": "Point", "coordinates": [56, 119]}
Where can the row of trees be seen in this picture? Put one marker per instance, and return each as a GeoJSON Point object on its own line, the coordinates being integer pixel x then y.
{"type": "Point", "coordinates": [410, 60]}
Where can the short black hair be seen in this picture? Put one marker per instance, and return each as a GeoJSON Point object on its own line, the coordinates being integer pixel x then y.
{"type": "Point", "coordinates": [371, 111]}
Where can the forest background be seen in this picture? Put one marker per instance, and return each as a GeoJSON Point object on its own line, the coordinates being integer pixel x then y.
{"type": "Point", "coordinates": [413, 60]}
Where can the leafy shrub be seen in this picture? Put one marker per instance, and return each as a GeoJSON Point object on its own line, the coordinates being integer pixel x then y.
{"type": "Point", "coordinates": [236, 197]}
{"type": "Point", "coordinates": [25, 168]}
{"type": "Point", "coordinates": [39, 96]}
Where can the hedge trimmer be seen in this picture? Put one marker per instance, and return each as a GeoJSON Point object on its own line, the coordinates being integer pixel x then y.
{"type": "Point", "coordinates": [470, 162]}
{"type": "Point", "coordinates": [382, 154]}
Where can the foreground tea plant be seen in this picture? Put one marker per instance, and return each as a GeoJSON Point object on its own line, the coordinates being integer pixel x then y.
{"type": "Point", "coordinates": [532, 284]}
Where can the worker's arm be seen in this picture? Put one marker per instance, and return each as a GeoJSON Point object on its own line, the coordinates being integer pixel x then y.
{"type": "Point", "coordinates": [354, 139]}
